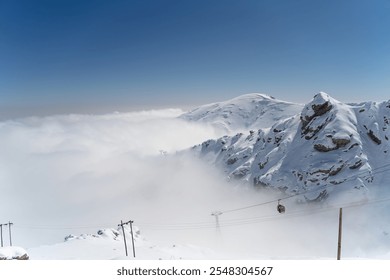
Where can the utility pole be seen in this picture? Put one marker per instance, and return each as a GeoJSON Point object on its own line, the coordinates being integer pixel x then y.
{"type": "Point", "coordinates": [216, 215]}
{"type": "Point", "coordinates": [340, 232]}
{"type": "Point", "coordinates": [132, 237]}
{"type": "Point", "coordinates": [124, 237]}
{"type": "Point", "coordinates": [9, 230]}
{"type": "Point", "coordinates": [1, 234]}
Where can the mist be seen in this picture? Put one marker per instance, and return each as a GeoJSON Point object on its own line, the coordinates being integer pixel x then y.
{"type": "Point", "coordinates": [74, 174]}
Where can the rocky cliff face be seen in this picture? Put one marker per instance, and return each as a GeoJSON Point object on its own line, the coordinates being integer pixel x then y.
{"type": "Point", "coordinates": [328, 147]}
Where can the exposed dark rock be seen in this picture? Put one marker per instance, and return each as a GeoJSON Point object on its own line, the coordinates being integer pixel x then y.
{"type": "Point", "coordinates": [312, 131]}
{"type": "Point", "coordinates": [373, 137]}
{"type": "Point", "coordinates": [69, 237]}
{"type": "Point", "coordinates": [334, 182]}
{"type": "Point", "coordinates": [24, 257]}
{"type": "Point", "coordinates": [278, 139]}
{"type": "Point", "coordinates": [319, 110]}
{"type": "Point", "coordinates": [16, 256]}
{"type": "Point", "coordinates": [353, 145]}
{"type": "Point", "coordinates": [336, 170]}
{"type": "Point", "coordinates": [262, 164]}
{"type": "Point", "coordinates": [341, 142]}
{"type": "Point", "coordinates": [323, 148]}
{"type": "Point", "coordinates": [232, 160]}
{"type": "Point", "coordinates": [325, 171]}
{"type": "Point", "coordinates": [357, 164]}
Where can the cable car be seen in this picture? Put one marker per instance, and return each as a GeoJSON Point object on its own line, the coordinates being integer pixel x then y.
{"type": "Point", "coordinates": [281, 209]}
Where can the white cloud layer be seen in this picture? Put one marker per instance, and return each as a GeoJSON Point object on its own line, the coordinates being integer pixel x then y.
{"type": "Point", "coordinates": [67, 169]}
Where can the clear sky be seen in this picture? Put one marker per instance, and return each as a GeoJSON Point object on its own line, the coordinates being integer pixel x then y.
{"type": "Point", "coordinates": [70, 55]}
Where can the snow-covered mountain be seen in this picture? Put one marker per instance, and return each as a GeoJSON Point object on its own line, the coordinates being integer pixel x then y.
{"type": "Point", "coordinates": [245, 112]}
{"type": "Point", "coordinates": [328, 147]}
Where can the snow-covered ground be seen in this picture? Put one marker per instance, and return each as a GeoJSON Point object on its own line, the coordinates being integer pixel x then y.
{"type": "Point", "coordinates": [12, 253]}
{"type": "Point", "coordinates": [109, 244]}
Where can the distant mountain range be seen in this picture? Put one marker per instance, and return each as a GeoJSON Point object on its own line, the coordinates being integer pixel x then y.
{"type": "Point", "coordinates": [320, 148]}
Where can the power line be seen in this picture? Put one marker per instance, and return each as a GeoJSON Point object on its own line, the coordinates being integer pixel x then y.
{"type": "Point", "coordinates": [205, 225]}
{"type": "Point", "coordinates": [299, 213]}
{"type": "Point", "coordinates": [253, 220]}
{"type": "Point", "coordinates": [61, 227]}
{"type": "Point", "coordinates": [236, 222]}
{"type": "Point", "coordinates": [322, 188]}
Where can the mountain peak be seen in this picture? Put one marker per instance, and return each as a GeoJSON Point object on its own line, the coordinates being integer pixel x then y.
{"type": "Point", "coordinates": [255, 95]}
{"type": "Point", "coordinates": [318, 106]}
{"type": "Point", "coordinates": [323, 97]}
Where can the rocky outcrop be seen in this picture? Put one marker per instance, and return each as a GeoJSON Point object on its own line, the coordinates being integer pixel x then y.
{"type": "Point", "coordinates": [373, 137]}
{"type": "Point", "coordinates": [318, 109]}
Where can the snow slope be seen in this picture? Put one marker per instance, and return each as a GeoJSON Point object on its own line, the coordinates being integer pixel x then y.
{"type": "Point", "coordinates": [109, 244]}
{"type": "Point", "coordinates": [245, 112]}
{"type": "Point", "coordinates": [329, 147]}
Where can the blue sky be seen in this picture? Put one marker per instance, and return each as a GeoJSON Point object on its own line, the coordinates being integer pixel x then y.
{"type": "Point", "coordinates": [70, 56]}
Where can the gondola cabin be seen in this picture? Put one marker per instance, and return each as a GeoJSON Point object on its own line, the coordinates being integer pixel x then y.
{"type": "Point", "coordinates": [281, 209]}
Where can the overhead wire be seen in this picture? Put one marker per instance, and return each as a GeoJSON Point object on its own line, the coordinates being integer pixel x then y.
{"type": "Point", "coordinates": [231, 222]}
{"type": "Point", "coordinates": [322, 188]}
{"type": "Point", "coordinates": [234, 222]}
{"type": "Point", "coordinates": [59, 227]}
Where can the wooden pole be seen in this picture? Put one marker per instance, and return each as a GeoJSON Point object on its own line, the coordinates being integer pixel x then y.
{"type": "Point", "coordinates": [9, 231]}
{"type": "Point", "coordinates": [124, 236]}
{"type": "Point", "coordinates": [340, 233]}
{"type": "Point", "coordinates": [132, 237]}
{"type": "Point", "coordinates": [1, 233]}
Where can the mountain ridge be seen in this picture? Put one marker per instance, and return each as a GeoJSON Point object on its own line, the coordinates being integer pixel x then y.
{"type": "Point", "coordinates": [242, 113]}
{"type": "Point", "coordinates": [328, 144]}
